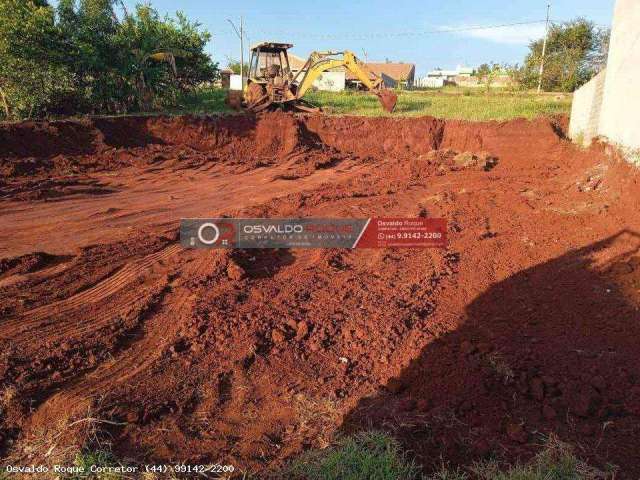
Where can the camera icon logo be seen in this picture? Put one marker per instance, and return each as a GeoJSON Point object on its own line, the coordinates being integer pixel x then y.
{"type": "Point", "coordinates": [204, 234]}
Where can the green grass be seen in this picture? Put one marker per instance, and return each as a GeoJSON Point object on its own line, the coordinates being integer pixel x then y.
{"type": "Point", "coordinates": [477, 105]}
{"type": "Point", "coordinates": [99, 458]}
{"type": "Point", "coordinates": [449, 102]}
{"type": "Point", "coordinates": [377, 456]}
{"type": "Point", "coordinates": [366, 456]}
{"type": "Point", "coordinates": [202, 101]}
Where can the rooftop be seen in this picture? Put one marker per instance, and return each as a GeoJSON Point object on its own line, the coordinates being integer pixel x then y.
{"type": "Point", "coordinates": [397, 71]}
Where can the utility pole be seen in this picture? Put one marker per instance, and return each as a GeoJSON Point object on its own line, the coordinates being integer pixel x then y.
{"type": "Point", "coordinates": [240, 34]}
{"type": "Point", "coordinates": [544, 48]}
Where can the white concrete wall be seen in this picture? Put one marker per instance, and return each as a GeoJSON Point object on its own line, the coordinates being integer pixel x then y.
{"type": "Point", "coordinates": [235, 82]}
{"type": "Point", "coordinates": [620, 117]}
{"type": "Point", "coordinates": [585, 110]}
{"type": "Point", "coordinates": [430, 82]}
{"type": "Point", "coordinates": [330, 81]}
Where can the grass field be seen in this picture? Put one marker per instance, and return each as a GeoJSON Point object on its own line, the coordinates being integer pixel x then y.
{"type": "Point", "coordinates": [376, 455]}
{"type": "Point", "coordinates": [448, 103]}
{"type": "Point", "coordinates": [451, 103]}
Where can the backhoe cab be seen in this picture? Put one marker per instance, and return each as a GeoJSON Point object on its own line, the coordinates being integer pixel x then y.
{"type": "Point", "coordinates": [272, 84]}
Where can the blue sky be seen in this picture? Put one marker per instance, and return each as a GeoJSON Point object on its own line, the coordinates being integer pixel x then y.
{"type": "Point", "coordinates": [387, 29]}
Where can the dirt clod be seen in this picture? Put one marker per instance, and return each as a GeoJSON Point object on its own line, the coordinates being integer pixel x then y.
{"type": "Point", "coordinates": [278, 336]}
{"type": "Point", "coordinates": [517, 432]}
{"type": "Point", "coordinates": [465, 160]}
{"type": "Point", "coordinates": [302, 329]}
{"type": "Point", "coordinates": [235, 272]}
{"type": "Point", "coordinates": [585, 401]}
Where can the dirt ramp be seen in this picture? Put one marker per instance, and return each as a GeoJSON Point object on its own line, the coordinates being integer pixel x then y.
{"type": "Point", "coordinates": [277, 134]}
{"type": "Point", "coordinates": [378, 137]}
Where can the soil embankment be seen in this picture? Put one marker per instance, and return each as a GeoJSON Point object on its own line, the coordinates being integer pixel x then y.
{"type": "Point", "coordinates": [526, 324]}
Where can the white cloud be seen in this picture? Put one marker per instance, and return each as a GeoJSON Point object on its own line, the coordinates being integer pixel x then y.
{"type": "Point", "coordinates": [513, 34]}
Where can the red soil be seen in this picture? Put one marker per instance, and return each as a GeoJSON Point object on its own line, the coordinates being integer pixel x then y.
{"type": "Point", "coordinates": [527, 324]}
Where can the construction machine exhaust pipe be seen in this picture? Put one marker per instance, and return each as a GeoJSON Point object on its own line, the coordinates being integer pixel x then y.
{"type": "Point", "coordinates": [388, 100]}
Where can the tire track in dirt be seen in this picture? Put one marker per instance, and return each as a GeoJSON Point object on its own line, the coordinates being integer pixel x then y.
{"type": "Point", "coordinates": [128, 274]}
{"type": "Point", "coordinates": [157, 331]}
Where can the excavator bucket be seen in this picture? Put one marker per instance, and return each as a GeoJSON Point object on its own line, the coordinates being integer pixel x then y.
{"type": "Point", "coordinates": [388, 100]}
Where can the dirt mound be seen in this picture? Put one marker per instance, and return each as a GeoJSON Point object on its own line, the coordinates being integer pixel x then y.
{"type": "Point", "coordinates": [44, 139]}
{"type": "Point", "coordinates": [525, 325]}
{"type": "Point", "coordinates": [25, 263]}
{"type": "Point", "coordinates": [107, 144]}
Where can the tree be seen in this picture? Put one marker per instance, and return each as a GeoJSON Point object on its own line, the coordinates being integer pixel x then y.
{"type": "Point", "coordinates": [234, 66]}
{"type": "Point", "coordinates": [514, 72]}
{"type": "Point", "coordinates": [483, 70]}
{"type": "Point", "coordinates": [90, 29]}
{"type": "Point", "coordinates": [571, 56]}
{"type": "Point", "coordinates": [487, 73]}
{"type": "Point", "coordinates": [164, 55]}
{"type": "Point", "coordinates": [598, 58]}
{"type": "Point", "coordinates": [94, 56]}
{"type": "Point", "coordinates": [32, 72]}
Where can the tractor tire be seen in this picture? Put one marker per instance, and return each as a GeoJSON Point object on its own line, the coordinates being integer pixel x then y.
{"type": "Point", "coordinates": [254, 95]}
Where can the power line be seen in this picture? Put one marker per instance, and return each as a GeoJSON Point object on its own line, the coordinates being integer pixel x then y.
{"type": "Point", "coordinates": [368, 35]}
{"type": "Point", "coordinates": [396, 34]}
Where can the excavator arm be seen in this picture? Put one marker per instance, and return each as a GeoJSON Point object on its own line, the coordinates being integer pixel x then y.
{"type": "Point", "coordinates": [320, 62]}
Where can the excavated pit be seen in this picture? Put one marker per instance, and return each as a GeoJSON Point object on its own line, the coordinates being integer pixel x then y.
{"type": "Point", "coordinates": [526, 325]}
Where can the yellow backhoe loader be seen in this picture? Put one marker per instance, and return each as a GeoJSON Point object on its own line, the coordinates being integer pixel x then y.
{"type": "Point", "coordinates": [271, 83]}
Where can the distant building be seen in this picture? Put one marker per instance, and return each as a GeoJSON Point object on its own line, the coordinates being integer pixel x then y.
{"type": "Point", "coordinates": [295, 63]}
{"type": "Point", "coordinates": [461, 77]}
{"type": "Point", "coordinates": [394, 74]}
{"type": "Point", "coordinates": [451, 75]}
{"type": "Point", "coordinates": [225, 77]}
{"type": "Point", "coordinates": [333, 80]}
